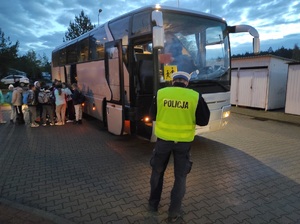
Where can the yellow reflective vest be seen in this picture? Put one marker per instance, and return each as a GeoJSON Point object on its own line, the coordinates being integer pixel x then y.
{"type": "Point", "coordinates": [176, 114]}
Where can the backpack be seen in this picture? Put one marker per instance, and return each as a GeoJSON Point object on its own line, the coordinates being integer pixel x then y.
{"type": "Point", "coordinates": [51, 97]}
{"type": "Point", "coordinates": [30, 98]}
{"type": "Point", "coordinates": [8, 97]}
{"type": "Point", "coordinates": [25, 97]}
{"type": "Point", "coordinates": [43, 97]}
{"type": "Point", "coordinates": [1, 98]}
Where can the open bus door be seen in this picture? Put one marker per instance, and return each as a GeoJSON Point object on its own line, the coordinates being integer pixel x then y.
{"type": "Point", "coordinates": [115, 78]}
{"type": "Point", "coordinates": [70, 74]}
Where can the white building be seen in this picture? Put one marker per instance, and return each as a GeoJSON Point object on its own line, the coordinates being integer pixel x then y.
{"type": "Point", "coordinates": [292, 104]}
{"type": "Point", "coordinates": [259, 81]}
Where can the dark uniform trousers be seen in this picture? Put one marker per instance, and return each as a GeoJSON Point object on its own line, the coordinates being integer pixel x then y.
{"type": "Point", "coordinates": [182, 166]}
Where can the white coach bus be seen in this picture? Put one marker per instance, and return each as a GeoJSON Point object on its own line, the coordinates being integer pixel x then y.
{"type": "Point", "coordinates": [121, 64]}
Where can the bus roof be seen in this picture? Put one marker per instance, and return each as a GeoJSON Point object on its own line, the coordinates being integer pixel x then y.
{"type": "Point", "coordinates": [143, 9]}
{"type": "Point", "coordinates": [168, 8]}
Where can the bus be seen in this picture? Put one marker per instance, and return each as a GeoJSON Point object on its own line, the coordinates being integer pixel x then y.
{"type": "Point", "coordinates": [121, 64]}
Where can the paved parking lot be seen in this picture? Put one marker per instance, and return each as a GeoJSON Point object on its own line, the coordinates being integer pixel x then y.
{"type": "Point", "coordinates": [247, 173]}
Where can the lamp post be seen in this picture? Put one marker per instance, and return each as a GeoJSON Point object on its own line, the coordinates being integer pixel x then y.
{"type": "Point", "coordinates": [100, 10]}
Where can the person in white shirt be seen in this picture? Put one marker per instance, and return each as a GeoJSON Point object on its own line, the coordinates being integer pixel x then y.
{"type": "Point", "coordinates": [60, 104]}
{"type": "Point", "coordinates": [70, 112]}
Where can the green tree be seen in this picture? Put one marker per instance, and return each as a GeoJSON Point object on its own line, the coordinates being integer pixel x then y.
{"type": "Point", "coordinates": [296, 53]}
{"type": "Point", "coordinates": [8, 53]}
{"type": "Point", "coordinates": [283, 52]}
{"type": "Point", "coordinates": [45, 64]}
{"type": "Point", "coordinates": [30, 64]}
{"type": "Point", "coordinates": [270, 50]}
{"type": "Point", "coordinates": [81, 25]}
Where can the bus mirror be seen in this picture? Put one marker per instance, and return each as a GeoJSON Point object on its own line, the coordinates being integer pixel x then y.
{"type": "Point", "coordinates": [125, 40]}
{"type": "Point", "coordinates": [256, 45]}
{"type": "Point", "coordinates": [251, 30]}
{"type": "Point", "coordinates": [157, 18]}
{"type": "Point", "coordinates": [158, 37]}
{"type": "Point", "coordinates": [158, 29]}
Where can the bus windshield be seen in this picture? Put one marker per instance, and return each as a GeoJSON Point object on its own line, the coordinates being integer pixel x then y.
{"type": "Point", "coordinates": [198, 46]}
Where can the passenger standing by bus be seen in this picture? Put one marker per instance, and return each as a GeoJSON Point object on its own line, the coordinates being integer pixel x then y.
{"type": "Point", "coordinates": [60, 104]}
{"type": "Point", "coordinates": [52, 89]}
{"type": "Point", "coordinates": [32, 104]}
{"type": "Point", "coordinates": [77, 103]}
{"type": "Point", "coordinates": [17, 101]}
{"type": "Point", "coordinates": [177, 110]}
{"type": "Point", "coordinates": [70, 112]}
{"type": "Point", "coordinates": [48, 104]}
{"type": "Point", "coordinates": [1, 103]}
{"type": "Point", "coordinates": [8, 98]}
{"type": "Point", "coordinates": [39, 106]}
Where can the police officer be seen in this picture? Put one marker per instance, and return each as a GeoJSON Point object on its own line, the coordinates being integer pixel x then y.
{"type": "Point", "coordinates": [177, 110]}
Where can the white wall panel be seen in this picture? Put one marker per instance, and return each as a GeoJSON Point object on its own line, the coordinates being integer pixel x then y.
{"type": "Point", "coordinates": [292, 105]}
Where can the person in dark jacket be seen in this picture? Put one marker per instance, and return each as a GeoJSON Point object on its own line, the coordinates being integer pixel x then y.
{"type": "Point", "coordinates": [32, 105]}
{"type": "Point", "coordinates": [39, 106]}
{"type": "Point", "coordinates": [70, 112]}
{"type": "Point", "coordinates": [176, 111]}
{"type": "Point", "coordinates": [76, 96]}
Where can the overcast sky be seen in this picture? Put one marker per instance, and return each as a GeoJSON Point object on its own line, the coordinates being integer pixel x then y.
{"type": "Point", "coordinates": [40, 25]}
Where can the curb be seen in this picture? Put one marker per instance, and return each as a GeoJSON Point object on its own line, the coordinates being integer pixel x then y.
{"type": "Point", "coordinates": [275, 115]}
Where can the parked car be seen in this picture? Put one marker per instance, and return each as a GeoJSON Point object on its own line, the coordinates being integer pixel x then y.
{"type": "Point", "coordinates": [11, 79]}
{"type": "Point", "coordinates": [46, 75]}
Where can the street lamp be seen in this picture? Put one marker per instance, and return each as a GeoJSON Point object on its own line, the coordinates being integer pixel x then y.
{"type": "Point", "coordinates": [100, 10]}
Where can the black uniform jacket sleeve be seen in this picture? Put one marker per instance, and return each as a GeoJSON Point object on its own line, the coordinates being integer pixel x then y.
{"type": "Point", "coordinates": [153, 109]}
{"type": "Point", "coordinates": [202, 112]}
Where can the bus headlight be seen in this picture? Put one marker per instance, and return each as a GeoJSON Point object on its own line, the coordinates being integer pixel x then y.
{"type": "Point", "coordinates": [225, 114]}
{"type": "Point", "coordinates": [226, 111]}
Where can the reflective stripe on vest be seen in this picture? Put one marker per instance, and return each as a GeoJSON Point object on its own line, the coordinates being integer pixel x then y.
{"type": "Point", "coordinates": [176, 109]}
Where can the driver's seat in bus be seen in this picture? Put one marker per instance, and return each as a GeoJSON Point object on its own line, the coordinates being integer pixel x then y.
{"type": "Point", "coordinates": [184, 62]}
{"type": "Point", "coordinates": [146, 75]}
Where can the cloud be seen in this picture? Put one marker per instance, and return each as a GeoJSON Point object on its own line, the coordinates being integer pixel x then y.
{"type": "Point", "coordinates": [41, 25]}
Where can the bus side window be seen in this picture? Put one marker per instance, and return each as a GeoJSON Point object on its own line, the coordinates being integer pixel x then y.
{"type": "Point", "coordinates": [83, 50]}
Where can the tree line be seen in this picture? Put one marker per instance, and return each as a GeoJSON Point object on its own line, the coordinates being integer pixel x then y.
{"type": "Point", "coordinates": [293, 54]}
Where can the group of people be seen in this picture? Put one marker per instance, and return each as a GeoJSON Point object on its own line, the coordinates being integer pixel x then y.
{"type": "Point", "coordinates": [52, 105]}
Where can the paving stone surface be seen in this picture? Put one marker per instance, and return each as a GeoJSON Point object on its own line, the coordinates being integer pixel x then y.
{"type": "Point", "coordinates": [246, 173]}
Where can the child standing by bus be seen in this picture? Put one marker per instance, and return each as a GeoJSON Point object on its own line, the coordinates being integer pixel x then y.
{"type": "Point", "coordinates": [77, 97]}
{"type": "Point", "coordinates": [8, 98]}
{"type": "Point", "coordinates": [1, 103]}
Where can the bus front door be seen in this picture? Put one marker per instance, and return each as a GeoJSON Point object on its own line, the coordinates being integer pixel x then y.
{"type": "Point", "coordinates": [115, 78]}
